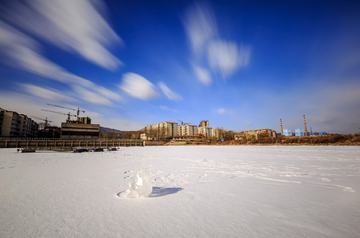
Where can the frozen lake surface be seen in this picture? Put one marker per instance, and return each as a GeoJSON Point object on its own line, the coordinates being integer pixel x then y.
{"type": "Point", "coordinates": [198, 191]}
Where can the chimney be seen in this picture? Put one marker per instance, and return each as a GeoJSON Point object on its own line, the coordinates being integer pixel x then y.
{"type": "Point", "coordinates": [305, 126]}
{"type": "Point", "coordinates": [281, 127]}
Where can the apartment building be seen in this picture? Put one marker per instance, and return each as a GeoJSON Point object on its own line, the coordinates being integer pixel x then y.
{"type": "Point", "coordinates": [187, 129]}
{"type": "Point", "coordinates": [162, 130]}
{"type": "Point", "coordinates": [204, 123]}
{"type": "Point", "coordinates": [13, 124]}
{"type": "Point", "coordinates": [206, 130]}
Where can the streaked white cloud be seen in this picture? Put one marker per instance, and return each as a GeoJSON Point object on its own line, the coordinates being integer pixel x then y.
{"type": "Point", "coordinates": [168, 109]}
{"type": "Point", "coordinates": [122, 124]}
{"type": "Point", "coordinates": [91, 96]}
{"type": "Point", "coordinates": [170, 94]}
{"type": "Point", "coordinates": [51, 94]}
{"type": "Point", "coordinates": [22, 52]}
{"type": "Point", "coordinates": [200, 26]}
{"type": "Point", "coordinates": [203, 75]}
{"type": "Point", "coordinates": [221, 111]}
{"type": "Point", "coordinates": [209, 49]}
{"type": "Point", "coordinates": [137, 86]}
{"type": "Point", "coordinates": [227, 56]}
{"type": "Point", "coordinates": [75, 26]}
{"type": "Point", "coordinates": [248, 122]}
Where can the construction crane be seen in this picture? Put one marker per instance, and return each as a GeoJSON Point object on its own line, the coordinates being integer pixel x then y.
{"type": "Point", "coordinates": [77, 110]}
{"type": "Point", "coordinates": [182, 122]}
{"type": "Point", "coordinates": [69, 115]}
{"type": "Point", "coordinates": [46, 120]}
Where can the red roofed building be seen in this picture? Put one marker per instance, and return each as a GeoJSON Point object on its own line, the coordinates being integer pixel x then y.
{"type": "Point", "coordinates": [191, 138]}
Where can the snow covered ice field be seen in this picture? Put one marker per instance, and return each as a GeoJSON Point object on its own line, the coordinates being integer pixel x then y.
{"type": "Point", "coordinates": [198, 191]}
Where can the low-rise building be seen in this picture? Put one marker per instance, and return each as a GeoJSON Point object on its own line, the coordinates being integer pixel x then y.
{"type": "Point", "coordinates": [255, 134]}
{"type": "Point", "coordinates": [190, 138]}
{"type": "Point", "coordinates": [299, 132]}
{"type": "Point", "coordinates": [287, 132]}
{"type": "Point", "coordinates": [77, 130]}
{"type": "Point", "coordinates": [318, 133]}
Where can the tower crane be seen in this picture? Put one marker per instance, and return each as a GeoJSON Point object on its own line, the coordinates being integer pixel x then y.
{"type": "Point", "coordinates": [69, 115]}
{"type": "Point", "coordinates": [77, 110]}
{"type": "Point", "coordinates": [46, 120]}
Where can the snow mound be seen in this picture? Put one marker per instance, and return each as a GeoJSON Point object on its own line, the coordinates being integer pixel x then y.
{"type": "Point", "coordinates": [140, 184]}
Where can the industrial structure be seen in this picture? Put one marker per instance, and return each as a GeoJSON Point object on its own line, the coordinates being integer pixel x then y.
{"type": "Point", "coordinates": [13, 124]}
{"type": "Point", "coordinates": [305, 127]}
{"type": "Point", "coordinates": [300, 132]}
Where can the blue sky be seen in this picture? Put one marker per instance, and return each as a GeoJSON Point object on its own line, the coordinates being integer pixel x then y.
{"type": "Point", "coordinates": [239, 64]}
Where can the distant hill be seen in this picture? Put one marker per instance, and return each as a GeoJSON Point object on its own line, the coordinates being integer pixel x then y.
{"type": "Point", "coordinates": [104, 130]}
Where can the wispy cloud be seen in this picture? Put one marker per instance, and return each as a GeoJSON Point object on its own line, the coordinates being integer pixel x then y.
{"type": "Point", "coordinates": [75, 26]}
{"type": "Point", "coordinates": [200, 26]}
{"type": "Point", "coordinates": [137, 86]}
{"type": "Point", "coordinates": [209, 49]}
{"type": "Point", "coordinates": [247, 122]}
{"type": "Point", "coordinates": [168, 109]}
{"type": "Point", "coordinates": [203, 75]}
{"type": "Point", "coordinates": [170, 94]}
{"type": "Point", "coordinates": [51, 94]}
{"type": "Point", "coordinates": [221, 111]}
{"type": "Point", "coordinates": [91, 96]}
{"type": "Point", "coordinates": [227, 56]}
{"type": "Point", "coordinates": [23, 52]}
{"type": "Point", "coordinates": [122, 124]}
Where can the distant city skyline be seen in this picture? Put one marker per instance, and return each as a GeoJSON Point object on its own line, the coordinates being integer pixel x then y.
{"type": "Point", "coordinates": [240, 65]}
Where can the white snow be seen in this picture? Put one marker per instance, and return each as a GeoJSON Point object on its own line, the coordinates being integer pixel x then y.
{"type": "Point", "coordinates": [198, 191]}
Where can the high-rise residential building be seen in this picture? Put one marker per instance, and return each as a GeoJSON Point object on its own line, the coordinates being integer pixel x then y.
{"type": "Point", "coordinates": [187, 129]}
{"type": "Point", "coordinates": [206, 130]}
{"type": "Point", "coordinates": [13, 124]}
{"type": "Point", "coordinates": [204, 123]}
{"type": "Point", "coordinates": [162, 130]}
